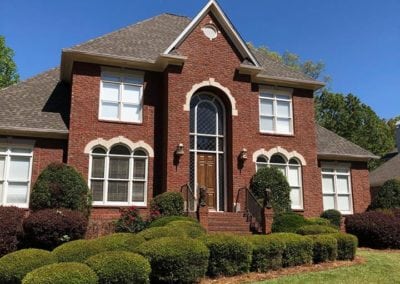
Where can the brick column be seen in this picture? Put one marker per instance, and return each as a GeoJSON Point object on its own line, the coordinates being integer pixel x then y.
{"type": "Point", "coordinates": [203, 216]}
{"type": "Point", "coordinates": [267, 220]}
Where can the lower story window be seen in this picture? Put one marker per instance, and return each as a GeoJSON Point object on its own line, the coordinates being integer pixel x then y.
{"type": "Point", "coordinates": [336, 188]}
{"type": "Point", "coordinates": [15, 176]}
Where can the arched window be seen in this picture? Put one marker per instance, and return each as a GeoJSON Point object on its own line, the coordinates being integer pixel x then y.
{"type": "Point", "coordinates": [261, 162]}
{"type": "Point", "coordinates": [118, 176]}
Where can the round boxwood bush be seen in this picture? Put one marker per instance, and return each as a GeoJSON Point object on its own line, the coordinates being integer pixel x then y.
{"type": "Point", "coordinates": [120, 267]}
{"type": "Point", "coordinates": [61, 186]}
{"type": "Point", "coordinates": [318, 221]}
{"type": "Point", "coordinates": [267, 252]}
{"type": "Point", "coordinates": [273, 179]}
{"type": "Point", "coordinates": [162, 232]}
{"type": "Point", "coordinates": [325, 248]}
{"type": "Point", "coordinates": [14, 266]}
{"type": "Point", "coordinates": [168, 219]}
{"type": "Point", "coordinates": [347, 246]}
{"type": "Point", "coordinates": [316, 230]}
{"type": "Point", "coordinates": [49, 228]}
{"type": "Point", "coordinates": [119, 241]}
{"type": "Point", "coordinates": [229, 254]}
{"type": "Point", "coordinates": [333, 216]}
{"type": "Point", "coordinates": [298, 249]}
{"type": "Point", "coordinates": [175, 260]}
{"type": "Point", "coordinates": [78, 251]}
{"type": "Point", "coordinates": [168, 204]}
{"type": "Point", "coordinates": [190, 229]}
{"type": "Point", "coordinates": [62, 273]}
{"type": "Point", "coordinates": [288, 222]}
{"type": "Point", "coordinates": [388, 196]}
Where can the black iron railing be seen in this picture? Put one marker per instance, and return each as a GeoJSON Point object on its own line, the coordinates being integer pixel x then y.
{"type": "Point", "coordinates": [189, 198]}
{"type": "Point", "coordinates": [253, 207]}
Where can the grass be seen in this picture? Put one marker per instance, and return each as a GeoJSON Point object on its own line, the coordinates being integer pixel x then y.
{"type": "Point", "coordinates": [380, 267]}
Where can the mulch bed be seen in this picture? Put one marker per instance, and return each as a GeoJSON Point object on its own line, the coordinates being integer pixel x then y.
{"type": "Point", "coordinates": [254, 276]}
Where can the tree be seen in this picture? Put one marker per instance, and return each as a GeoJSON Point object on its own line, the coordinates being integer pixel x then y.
{"type": "Point", "coordinates": [392, 124]}
{"type": "Point", "coordinates": [8, 68]}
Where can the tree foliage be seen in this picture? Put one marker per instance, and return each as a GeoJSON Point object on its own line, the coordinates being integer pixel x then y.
{"type": "Point", "coordinates": [8, 68]}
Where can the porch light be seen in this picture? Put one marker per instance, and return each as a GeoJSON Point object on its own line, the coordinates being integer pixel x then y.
{"type": "Point", "coordinates": [179, 150]}
{"type": "Point", "coordinates": [243, 155]}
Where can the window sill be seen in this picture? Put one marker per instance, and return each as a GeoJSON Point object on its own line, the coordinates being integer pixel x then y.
{"type": "Point", "coordinates": [276, 134]}
{"type": "Point", "coordinates": [120, 122]}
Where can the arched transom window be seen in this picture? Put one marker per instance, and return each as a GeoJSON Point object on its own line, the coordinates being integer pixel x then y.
{"type": "Point", "coordinates": [118, 176]}
{"type": "Point", "coordinates": [291, 169]}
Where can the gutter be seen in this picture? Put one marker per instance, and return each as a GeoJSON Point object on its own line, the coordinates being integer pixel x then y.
{"type": "Point", "coordinates": [34, 132]}
{"type": "Point", "coordinates": [344, 157]}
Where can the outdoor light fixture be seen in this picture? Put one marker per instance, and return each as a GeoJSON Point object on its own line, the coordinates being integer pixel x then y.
{"type": "Point", "coordinates": [179, 150]}
{"type": "Point", "coordinates": [243, 155]}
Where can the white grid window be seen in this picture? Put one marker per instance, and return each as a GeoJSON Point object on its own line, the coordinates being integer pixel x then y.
{"type": "Point", "coordinates": [118, 176]}
{"type": "Point", "coordinates": [121, 96]}
{"type": "Point", "coordinates": [275, 109]}
{"type": "Point", "coordinates": [15, 176]}
{"type": "Point", "coordinates": [336, 188]}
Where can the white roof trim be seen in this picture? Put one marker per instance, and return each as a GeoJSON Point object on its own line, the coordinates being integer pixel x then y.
{"type": "Point", "coordinates": [213, 6]}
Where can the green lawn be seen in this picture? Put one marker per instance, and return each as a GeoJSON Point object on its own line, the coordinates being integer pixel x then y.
{"type": "Point", "coordinates": [380, 267]}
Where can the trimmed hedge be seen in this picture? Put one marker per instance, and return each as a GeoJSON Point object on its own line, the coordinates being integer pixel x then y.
{"type": "Point", "coordinates": [11, 219]}
{"type": "Point", "coordinates": [119, 242]}
{"type": "Point", "coordinates": [120, 267]}
{"type": "Point", "coordinates": [229, 254]}
{"type": "Point", "coordinates": [175, 260]}
{"type": "Point", "coordinates": [298, 249]}
{"type": "Point", "coordinates": [388, 196]}
{"type": "Point", "coordinates": [14, 266]}
{"type": "Point", "coordinates": [267, 252]}
{"type": "Point", "coordinates": [78, 251]}
{"type": "Point", "coordinates": [161, 232]}
{"type": "Point", "coordinates": [318, 221]}
{"type": "Point", "coordinates": [168, 219]}
{"type": "Point", "coordinates": [62, 273]}
{"type": "Point", "coordinates": [333, 216]}
{"type": "Point", "coordinates": [315, 230]}
{"type": "Point", "coordinates": [168, 204]}
{"type": "Point", "coordinates": [50, 228]}
{"type": "Point", "coordinates": [347, 246]}
{"type": "Point", "coordinates": [190, 229]}
{"type": "Point", "coordinates": [288, 222]}
{"type": "Point", "coordinates": [325, 248]}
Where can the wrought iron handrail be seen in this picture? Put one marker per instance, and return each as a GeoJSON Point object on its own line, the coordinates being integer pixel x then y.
{"type": "Point", "coordinates": [253, 206]}
{"type": "Point", "coordinates": [189, 198]}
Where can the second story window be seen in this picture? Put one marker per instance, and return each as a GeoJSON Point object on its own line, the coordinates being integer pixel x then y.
{"type": "Point", "coordinates": [121, 96]}
{"type": "Point", "coordinates": [276, 112]}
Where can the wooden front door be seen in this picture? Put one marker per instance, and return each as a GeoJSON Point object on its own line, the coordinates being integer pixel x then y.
{"type": "Point", "coordinates": [206, 177]}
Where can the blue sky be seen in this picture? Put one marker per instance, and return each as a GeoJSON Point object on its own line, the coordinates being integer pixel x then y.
{"type": "Point", "coordinates": [359, 40]}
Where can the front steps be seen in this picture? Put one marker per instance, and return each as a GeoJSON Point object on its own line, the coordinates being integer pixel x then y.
{"type": "Point", "coordinates": [229, 222]}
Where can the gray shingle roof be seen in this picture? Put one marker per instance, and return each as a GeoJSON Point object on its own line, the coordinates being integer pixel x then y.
{"type": "Point", "coordinates": [40, 103]}
{"type": "Point", "coordinates": [387, 171]}
{"type": "Point", "coordinates": [329, 144]}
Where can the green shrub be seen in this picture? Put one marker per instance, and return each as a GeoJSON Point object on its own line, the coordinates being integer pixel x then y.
{"type": "Point", "coordinates": [130, 221]}
{"type": "Point", "coordinates": [168, 204]}
{"type": "Point", "coordinates": [120, 267]}
{"type": "Point", "coordinates": [61, 186]}
{"type": "Point", "coordinates": [316, 230]}
{"type": "Point", "coordinates": [78, 251]}
{"type": "Point", "coordinates": [191, 229]}
{"type": "Point", "coordinates": [11, 230]}
{"type": "Point", "coordinates": [347, 246]}
{"type": "Point", "coordinates": [229, 254]}
{"type": "Point", "coordinates": [162, 232]}
{"type": "Point", "coordinates": [288, 222]}
{"type": "Point", "coordinates": [165, 220]}
{"type": "Point", "coordinates": [333, 216]}
{"type": "Point", "coordinates": [62, 273]}
{"type": "Point", "coordinates": [267, 252]}
{"type": "Point", "coordinates": [274, 179]}
{"type": "Point", "coordinates": [14, 266]}
{"type": "Point", "coordinates": [119, 241]}
{"type": "Point", "coordinates": [318, 221]}
{"type": "Point", "coordinates": [298, 249]}
{"type": "Point", "coordinates": [175, 260]}
{"type": "Point", "coordinates": [325, 248]}
{"type": "Point", "coordinates": [388, 197]}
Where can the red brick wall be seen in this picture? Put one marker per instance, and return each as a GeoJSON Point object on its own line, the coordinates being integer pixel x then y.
{"type": "Point", "coordinates": [360, 187]}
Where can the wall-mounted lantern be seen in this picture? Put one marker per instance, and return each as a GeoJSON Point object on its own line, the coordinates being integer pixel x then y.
{"type": "Point", "coordinates": [243, 155]}
{"type": "Point", "coordinates": [179, 150]}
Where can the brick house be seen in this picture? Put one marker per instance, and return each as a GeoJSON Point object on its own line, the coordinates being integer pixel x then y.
{"type": "Point", "coordinates": [169, 104]}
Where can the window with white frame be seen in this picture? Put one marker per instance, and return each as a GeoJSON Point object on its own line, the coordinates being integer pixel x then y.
{"type": "Point", "coordinates": [15, 176]}
{"type": "Point", "coordinates": [276, 112]}
{"type": "Point", "coordinates": [119, 176]}
{"type": "Point", "coordinates": [291, 169]}
{"type": "Point", "coordinates": [121, 96]}
{"type": "Point", "coordinates": [336, 188]}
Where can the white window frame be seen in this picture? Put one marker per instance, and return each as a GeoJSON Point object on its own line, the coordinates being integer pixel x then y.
{"type": "Point", "coordinates": [121, 73]}
{"type": "Point", "coordinates": [8, 154]}
{"type": "Point", "coordinates": [274, 92]}
{"type": "Point", "coordinates": [335, 167]}
{"type": "Point", "coordinates": [130, 179]}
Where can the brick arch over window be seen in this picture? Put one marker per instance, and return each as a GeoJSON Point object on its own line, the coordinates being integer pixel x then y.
{"type": "Point", "coordinates": [279, 150]}
{"type": "Point", "coordinates": [210, 83]}
{"type": "Point", "coordinates": [107, 144]}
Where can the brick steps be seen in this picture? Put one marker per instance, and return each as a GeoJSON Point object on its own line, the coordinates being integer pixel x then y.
{"type": "Point", "coordinates": [228, 222]}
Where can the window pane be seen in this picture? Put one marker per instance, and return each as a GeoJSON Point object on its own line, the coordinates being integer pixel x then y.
{"type": "Point", "coordinates": [120, 150]}
{"type": "Point", "coordinates": [327, 184]}
{"type": "Point", "coordinates": [117, 191]}
{"type": "Point", "coordinates": [294, 176]}
{"type": "Point", "coordinates": [283, 109]}
{"type": "Point", "coordinates": [99, 151]}
{"type": "Point", "coordinates": [206, 118]}
{"type": "Point", "coordinates": [206, 143]}
{"type": "Point", "coordinates": [293, 162]}
{"type": "Point", "coordinates": [329, 202]}
{"type": "Point", "coordinates": [342, 171]}
{"type": "Point", "coordinates": [110, 92]}
{"type": "Point", "coordinates": [131, 94]}
{"type": "Point", "coordinates": [21, 150]}
{"type": "Point", "coordinates": [108, 76]}
{"type": "Point", "coordinates": [281, 168]}
{"type": "Point", "coordinates": [3, 150]}
{"type": "Point", "coordinates": [97, 190]}
{"type": "Point", "coordinates": [278, 159]}
{"type": "Point", "coordinates": [98, 167]}
{"type": "Point", "coordinates": [119, 168]}
{"type": "Point", "coordinates": [139, 171]}
{"type": "Point", "coordinates": [267, 107]}
{"type": "Point", "coordinates": [133, 79]}
{"type": "Point", "coordinates": [19, 169]}
{"type": "Point", "coordinates": [1, 192]}
{"type": "Point", "coordinates": [140, 153]}
{"type": "Point", "coordinates": [262, 159]}
{"type": "Point", "coordinates": [342, 183]}
{"type": "Point", "coordinates": [295, 197]}
{"type": "Point", "coordinates": [138, 191]}
{"type": "Point", "coordinates": [266, 95]}
{"type": "Point", "coordinates": [266, 124]}
{"type": "Point", "coordinates": [109, 110]}
{"type": "Point", "coordinates": [260, 166]}
{"type": "Point", "coordinates": [344, 203]}
{"type": "Point", "coordinates": [283, 125]}
{"type": "Point", "coordinates": [17, 192]}
{"type": "Point", "coordinates": [282, 97]}
{"type": "Point", "coordinates": [131, 113]}
{"type": "Point", "coordinates": [2, 166]}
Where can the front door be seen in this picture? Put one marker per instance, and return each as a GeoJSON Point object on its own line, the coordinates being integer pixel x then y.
{"type": "Point", "coordinates": [206, 177]}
